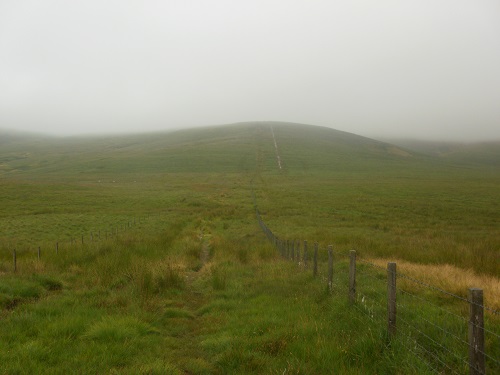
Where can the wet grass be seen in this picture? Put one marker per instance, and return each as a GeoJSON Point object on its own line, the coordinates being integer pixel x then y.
{"type": "Point", "coordinates": [181, 279]}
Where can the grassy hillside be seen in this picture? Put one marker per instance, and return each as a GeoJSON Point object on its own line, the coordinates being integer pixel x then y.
{"type": "Point", "coordinates": [162, 268]}
{"type": "Point", "coordinates": [482, 153]}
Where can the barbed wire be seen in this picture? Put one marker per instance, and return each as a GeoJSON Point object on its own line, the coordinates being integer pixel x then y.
{"type": "Point", "coordinates": [429, 353]}
{"type": "Point", "coordinates": [371, 264]}
{"type": "Point", "coordinates": [461, 340]}
{"type": "Point", "coordinates": [431, 303]}
{"type": "Point", "coordinates": [403, 276]}
{"type": "Point", "coordinates": [417, 355]}
{"type": "Point", "coordinates": [431, 340]}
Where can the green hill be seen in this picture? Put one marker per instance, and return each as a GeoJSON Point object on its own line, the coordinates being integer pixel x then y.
{"type": "Point", "coordinates": [479, 153]}
{"type": "Point", "coordinates": [230, 148]}
{"type": "Point", "coordinates": [142, 254]}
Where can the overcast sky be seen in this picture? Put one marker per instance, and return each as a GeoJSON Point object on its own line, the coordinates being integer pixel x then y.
{"type": "Point", "coordinates": [415, 68]}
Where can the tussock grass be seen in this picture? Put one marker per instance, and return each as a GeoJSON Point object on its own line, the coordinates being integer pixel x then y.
{"type": "Point", "coordinates": [449, 278]}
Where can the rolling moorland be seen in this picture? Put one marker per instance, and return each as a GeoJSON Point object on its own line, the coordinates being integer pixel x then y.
{"type": "Point", "coordinates": [143, 254]}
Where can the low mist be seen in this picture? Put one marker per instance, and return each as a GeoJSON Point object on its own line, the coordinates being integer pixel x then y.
{"type": "Point", "coordinates": [427, 70]}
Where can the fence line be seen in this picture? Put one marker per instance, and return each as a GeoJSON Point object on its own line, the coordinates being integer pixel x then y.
{"type": "Point", "coordinates": [72, 241]}
{"type": "Point", "coordinates": [450, 351]}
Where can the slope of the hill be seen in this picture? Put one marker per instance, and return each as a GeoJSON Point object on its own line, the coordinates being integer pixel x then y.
{"type": "Point", "coordinates": [214, 149]}
{"type": "Point", "coordinates": [477, 153]}
{"type": "Point", "coordinates": [229, 148]}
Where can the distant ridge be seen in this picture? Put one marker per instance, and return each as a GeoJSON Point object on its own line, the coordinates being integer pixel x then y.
{"type": "Point", "coordinates": [226, 148]}
{"type": "Point", "coordinates": [484, 153]}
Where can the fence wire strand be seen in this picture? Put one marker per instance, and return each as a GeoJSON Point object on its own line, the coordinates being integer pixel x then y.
{"type": "Point", "coordinates": [371, 296]}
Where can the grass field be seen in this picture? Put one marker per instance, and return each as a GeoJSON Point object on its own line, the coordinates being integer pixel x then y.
{"type": "Point", "coordinates": [175, 276]}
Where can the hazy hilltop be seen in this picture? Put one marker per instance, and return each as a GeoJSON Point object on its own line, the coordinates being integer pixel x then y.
{"type": "Point", "coordinates": [8, 137]}
{"type": "Point", "coordinates": [226, 148]}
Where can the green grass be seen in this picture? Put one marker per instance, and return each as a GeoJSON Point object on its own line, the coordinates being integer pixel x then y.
{"type": "Point", "coordinates": [182, 280]}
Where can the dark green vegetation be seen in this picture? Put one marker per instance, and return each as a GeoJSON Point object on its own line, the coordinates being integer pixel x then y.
{"type": "Point", "coordinates": [180, 279]}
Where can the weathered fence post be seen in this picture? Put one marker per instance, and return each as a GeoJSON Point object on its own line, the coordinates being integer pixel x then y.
{"type": "Point", "coordinates": [14, 255]}
{"type": "Point", "coordinates": [305, 254]}
{"type": "Point", "coordinates": [57, 247]}
{"type": "Point", "coordinates": [352, 276]}
{"type": "Point", "coordinates": [391, 298]}
{"type": "Point", "coordinates": [476, 332]}
{"type": "Point", "coordinates": [330, 267]}
{"type": "Point", "coordinates": [315, 259]}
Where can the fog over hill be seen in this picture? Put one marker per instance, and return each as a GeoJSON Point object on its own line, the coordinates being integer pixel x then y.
{"type": "Point", "coordinates": [225, 148]}
{"type": "Point", "coordinates": [419, 69]}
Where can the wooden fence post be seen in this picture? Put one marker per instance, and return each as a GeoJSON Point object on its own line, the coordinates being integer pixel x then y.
{"type": "Point", "coordinates": [14, 255]}
{"type": "Point", "coordinates": [315, 260]}
{"type": "Point", "coordinates": [391, 298]}
{"type": "Point", "coordinates": [293, 250]}
{"type": "Point", "coordinates": [38, 252]}
{"type": "Point", "coordinates": [57, 247]}
{"type": "Point", "coordinates": [305, 254]}
{"type": "Point", "coordinates": [476, 332]}
{"type": "Point", "coordinates": [330, 267]}
{"type": "Point", "coordinates": [352, 276]}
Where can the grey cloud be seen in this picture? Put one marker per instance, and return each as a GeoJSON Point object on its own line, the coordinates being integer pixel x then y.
{"type": "Point", "coordinates": [421, 69]}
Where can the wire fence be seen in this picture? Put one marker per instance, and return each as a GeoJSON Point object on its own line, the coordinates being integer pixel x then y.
{"type": "Point", "coordinates": [447, 333]}
{"type": "Point", "coordinates": [50, 249]}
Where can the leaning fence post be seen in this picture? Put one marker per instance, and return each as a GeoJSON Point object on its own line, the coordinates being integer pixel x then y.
{"type": "Point", "coordinates": [305, 253]}
{"type": "Point", "coordinates": [476, 332]}
{"type": "Point", "coordinates": [315, 258]}
{"type": "Point", "coordinates": [352, 276]}
{"type": "Point", "coordinates": [391, 298]}
{"type": "Point", "coordinates": [330, 267]}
